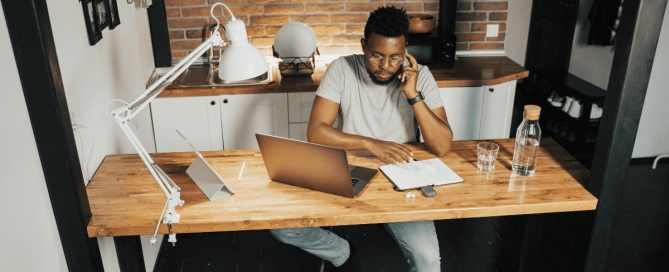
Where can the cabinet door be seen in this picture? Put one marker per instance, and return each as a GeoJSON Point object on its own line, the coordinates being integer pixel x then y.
{"type": "Point", "coordinates": [298, 131]}
{"type": "Point", "coordinates": [299, 106]}
{"type": "Point", "coordinates": [198, 118]}
{"type": "Point", "coordinates": [244, 115]}
{"type": "Point", "coordinates": [497, 110]}
{"type": "Point", "coordinates": [463, 109]}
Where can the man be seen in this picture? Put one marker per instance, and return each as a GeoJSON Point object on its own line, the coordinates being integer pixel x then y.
{"type": "Point", "coordinates": [380, 98]}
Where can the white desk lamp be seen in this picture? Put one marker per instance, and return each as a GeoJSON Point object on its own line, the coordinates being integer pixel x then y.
{"type": "Point", "coordinates": [240, 61]}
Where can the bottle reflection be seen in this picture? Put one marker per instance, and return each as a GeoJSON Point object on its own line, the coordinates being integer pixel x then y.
{"type": "Point", "coordinates": [517, 185]}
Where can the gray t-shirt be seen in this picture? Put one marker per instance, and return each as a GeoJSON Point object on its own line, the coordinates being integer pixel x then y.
{"type": "Point", "coordinates": [370, 109]}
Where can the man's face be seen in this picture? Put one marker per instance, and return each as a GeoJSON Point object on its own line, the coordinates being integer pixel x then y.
{"type": "Point", "coordinates": [386, 47]}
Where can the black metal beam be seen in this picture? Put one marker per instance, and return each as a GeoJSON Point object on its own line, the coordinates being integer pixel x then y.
{"type": "Point", "coordinates": [129, 253]}
{"type": "Point", "coordinates": [160, 36]}
{"type": "Point", "coordinates": [32, 41]}
{"type": "Point", "coordinates": [632, 63]}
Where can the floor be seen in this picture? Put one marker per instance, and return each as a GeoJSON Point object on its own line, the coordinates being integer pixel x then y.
{"type": "Point", "coordinates": [640, 241]}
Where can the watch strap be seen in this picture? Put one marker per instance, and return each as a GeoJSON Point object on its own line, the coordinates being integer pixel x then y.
{"type": "Point", "coordinates": [416, 99]}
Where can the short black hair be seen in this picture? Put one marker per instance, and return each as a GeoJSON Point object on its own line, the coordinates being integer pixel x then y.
{"type": "Point", "coordinates": [388, 22]}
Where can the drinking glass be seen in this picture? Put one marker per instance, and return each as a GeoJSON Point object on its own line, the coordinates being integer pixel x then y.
{"type": "Point", "coordinates": [487, 155]}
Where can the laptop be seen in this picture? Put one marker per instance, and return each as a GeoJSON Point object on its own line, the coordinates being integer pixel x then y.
{"type": "Point", "coordinates": [204, 176]}
{"type": "Point", "coordinates": [312, 166]}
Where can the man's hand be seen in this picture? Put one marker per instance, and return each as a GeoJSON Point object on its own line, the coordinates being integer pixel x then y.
{"type": "Point", "coordinates": [408, 77]}
{"type": "Point", "coordinates": [389, 152]}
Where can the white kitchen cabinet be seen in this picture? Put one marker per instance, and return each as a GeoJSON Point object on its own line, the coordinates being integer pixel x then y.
{"type": "Point", "coordinates": [299, 106]}
{"type": "Point", "coordinates": [463, 110]}
{"type": "Point", "coordinates": [479, 112]}
{"type": "Point", "coordinates": [243, 115]}
{"type": "Point", "coordinates": [298, 131]}
{"type": "Point", "coordinates": [198, 118]}
{"type": "Point", "coordinates": [231, 121]}
{"type": "Point", "coordinates": [497, 110]}
{"type": "Point", "coordinates": [299, 111]}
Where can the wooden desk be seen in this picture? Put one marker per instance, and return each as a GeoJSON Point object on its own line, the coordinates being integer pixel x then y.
{"type": "Point", "coordinates": [125, 200]}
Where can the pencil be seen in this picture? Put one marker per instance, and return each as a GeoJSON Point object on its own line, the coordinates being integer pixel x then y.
{"type": "Point", "coordinates": [241, 171]}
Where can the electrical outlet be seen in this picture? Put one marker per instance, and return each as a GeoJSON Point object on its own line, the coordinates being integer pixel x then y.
{"type": "Point", "coordinates": [492, 30]}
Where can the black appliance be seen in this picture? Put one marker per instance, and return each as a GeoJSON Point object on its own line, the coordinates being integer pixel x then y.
{"type": "Point", "coordinates": [433, 50]}
{"type": "Point", "coordinates": [437, 50]}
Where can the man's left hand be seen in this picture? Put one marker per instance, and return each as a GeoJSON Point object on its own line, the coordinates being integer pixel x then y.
{"type": "Point", "coordinates": [409, 77]}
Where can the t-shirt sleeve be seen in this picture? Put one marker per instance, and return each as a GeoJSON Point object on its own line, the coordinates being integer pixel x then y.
{"type": "Point", "coordinates": [331, 86]}
{"type": "Point", "coordinates": [428, 86]}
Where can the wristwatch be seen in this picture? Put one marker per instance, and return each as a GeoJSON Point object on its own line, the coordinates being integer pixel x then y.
{"type": "Point", "coordinates": [416, 99]}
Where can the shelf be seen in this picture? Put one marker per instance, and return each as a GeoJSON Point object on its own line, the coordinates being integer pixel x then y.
{"type": "Point", "coordinates": [583, 129]}
{"type": "Point", "coordinates": [571, 85]}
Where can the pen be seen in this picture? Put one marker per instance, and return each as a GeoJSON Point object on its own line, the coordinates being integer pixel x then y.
{"type": "Point", "coordinates": [241, 171]}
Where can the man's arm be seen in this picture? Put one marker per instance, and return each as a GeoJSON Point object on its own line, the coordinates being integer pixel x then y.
{"type": "Point", "coordinates": [433, 124]}
{"type": "Point", "coordinates": [324, 113]}
{"type": "Point", "coordinates": [434, 127]}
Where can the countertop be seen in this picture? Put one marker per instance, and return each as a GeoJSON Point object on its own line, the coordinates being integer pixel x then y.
{"type": "Point", "coordinates": [468, 72]}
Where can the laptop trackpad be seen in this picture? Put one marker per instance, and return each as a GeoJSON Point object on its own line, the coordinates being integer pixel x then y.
{"type": "Point", "coordinates": [364, 175]}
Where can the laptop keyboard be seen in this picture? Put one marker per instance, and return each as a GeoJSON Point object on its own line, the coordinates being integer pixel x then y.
{"type": "Point", "coordinates": [354, 180]}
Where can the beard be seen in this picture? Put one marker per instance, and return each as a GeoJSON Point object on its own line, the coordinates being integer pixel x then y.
{"type": "Point", "coordinates": [383, 83]}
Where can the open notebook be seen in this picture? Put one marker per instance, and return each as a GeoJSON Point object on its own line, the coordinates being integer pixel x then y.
{"type": "Point", "coordinates": [418, 174]}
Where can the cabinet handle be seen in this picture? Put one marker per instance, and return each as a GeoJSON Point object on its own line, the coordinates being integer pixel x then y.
{"type": "Point", "coordinates": [491, 89]}
{"type": "Point", "coordinates": [225, 101]}
{"type": "Point", "coordinates": [213, 103]}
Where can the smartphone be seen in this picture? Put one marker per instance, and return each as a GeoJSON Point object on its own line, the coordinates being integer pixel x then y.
{"type": "Point", "coordinates": [405, 63]}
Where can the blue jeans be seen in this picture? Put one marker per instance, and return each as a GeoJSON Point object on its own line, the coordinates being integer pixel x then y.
{"type": "Point", "coordinates": [418, 241]}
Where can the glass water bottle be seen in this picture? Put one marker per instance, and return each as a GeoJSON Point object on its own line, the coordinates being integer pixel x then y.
{"type": "Point", "coordinates": [527, 142]}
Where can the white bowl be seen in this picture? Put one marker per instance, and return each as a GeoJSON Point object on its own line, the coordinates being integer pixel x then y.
{"type": "Point", "coordinates": [295, 40]}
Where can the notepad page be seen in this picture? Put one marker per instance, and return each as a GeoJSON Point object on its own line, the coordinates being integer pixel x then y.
{"type": "Point", "coordinates": [404, 176]}
{"type": "Point", "coordinates": [420, 174]}
{"type": "Point", "coordinates": [443, 174]}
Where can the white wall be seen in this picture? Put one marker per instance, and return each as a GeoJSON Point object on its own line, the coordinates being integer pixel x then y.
{"type": "Point", "coordinates": [652, 138]}
{"type": "Point", "coordinates": [517, 30]}
{"type": "Point", "coordinates": [117, 67]}
{"type": "Point", "coordinates": [29, 239]}
{"type": "Point", "coordinates": [591, 63]}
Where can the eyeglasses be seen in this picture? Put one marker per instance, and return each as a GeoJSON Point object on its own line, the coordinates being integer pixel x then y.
{"type": "Point", "coordinates": [379, 60]}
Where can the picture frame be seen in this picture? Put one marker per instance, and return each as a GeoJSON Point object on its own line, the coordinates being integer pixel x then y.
{"type": "Point", "coordinates": [91, 20]}
{"type": "Point", "coordinates": [104, 17]}
{"type": "Point", "coordinates": [113, 14]}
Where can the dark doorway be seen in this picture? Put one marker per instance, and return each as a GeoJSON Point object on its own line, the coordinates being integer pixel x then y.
{"type": "Point", "coordinates": [551, 34]}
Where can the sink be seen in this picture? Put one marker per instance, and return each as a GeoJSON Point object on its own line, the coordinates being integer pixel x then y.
{"type": "Point", "coordinates": [206, 75]}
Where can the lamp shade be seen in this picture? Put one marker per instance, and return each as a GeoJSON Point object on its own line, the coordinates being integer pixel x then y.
{"type": "Point", "coordinates": [241, 60]}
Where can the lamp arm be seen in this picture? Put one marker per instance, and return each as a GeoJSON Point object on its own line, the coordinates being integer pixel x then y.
{"type": "Point", "coordinates": [131, 109]}
{"type": "Point", "coordinates": [124, 114]}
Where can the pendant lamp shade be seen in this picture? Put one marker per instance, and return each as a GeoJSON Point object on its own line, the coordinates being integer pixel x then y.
{"type": "Point", "coordinates": [241, 60]}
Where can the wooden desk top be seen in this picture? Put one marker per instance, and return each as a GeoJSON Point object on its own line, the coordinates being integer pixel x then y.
{"type": "Point", "coordinates": [468, 72]}
{"type": "Point", "coordinates": [126, 200]}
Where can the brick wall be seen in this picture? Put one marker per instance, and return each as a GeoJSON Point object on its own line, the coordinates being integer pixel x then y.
{"type": "Point", "coordinates": [338, 24]}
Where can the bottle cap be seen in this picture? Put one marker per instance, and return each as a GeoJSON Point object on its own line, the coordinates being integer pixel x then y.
{"type": "Point", "coordinates": [532, 112]}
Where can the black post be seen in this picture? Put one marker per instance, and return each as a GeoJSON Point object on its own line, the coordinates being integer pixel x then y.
{"type": "Point", "coordinates": [160, 36]}
{"type": "Point", "coordinates": [529, 251]}
{"type": "Point", "coordinates": [129, 253]}
{"type": "Point", "coordinates": [632, 63]}
{"type": "Point", "coordinates": [32, 41]}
